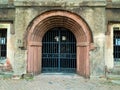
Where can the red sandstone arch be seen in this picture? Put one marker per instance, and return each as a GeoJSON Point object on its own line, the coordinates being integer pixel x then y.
{"type": "Point", "coordinates": [50, 19]}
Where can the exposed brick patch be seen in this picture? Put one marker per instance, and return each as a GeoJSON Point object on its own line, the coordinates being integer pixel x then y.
{"type": "Point", "coordinates": [7, 65]}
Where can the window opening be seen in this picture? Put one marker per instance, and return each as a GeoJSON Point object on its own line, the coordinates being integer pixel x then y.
{"type": "Point", "coordinates": [3, 44]}
{"type": "Point", "coordinates": [116, 45]}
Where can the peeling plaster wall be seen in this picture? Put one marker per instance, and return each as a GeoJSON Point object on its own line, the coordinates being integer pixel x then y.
{"type": "Point", "coordinates": [98, 30]}
{"type": "Point", "coordinates": [24, 15]}
{"type": "Point", "coordinates": [94, 16]}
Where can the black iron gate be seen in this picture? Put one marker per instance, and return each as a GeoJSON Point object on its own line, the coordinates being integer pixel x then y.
{"type": "Point", "coordinates": [59, 51]}
{"type": "Point", "coordinates": [116, 46]}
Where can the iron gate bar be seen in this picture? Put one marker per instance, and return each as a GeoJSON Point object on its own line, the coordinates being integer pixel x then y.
{"type": "Point", "coordinates": [59, 51]}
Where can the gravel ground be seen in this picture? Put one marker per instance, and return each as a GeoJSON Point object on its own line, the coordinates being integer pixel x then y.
{"type": "Point", "coordinates": [57, 82]}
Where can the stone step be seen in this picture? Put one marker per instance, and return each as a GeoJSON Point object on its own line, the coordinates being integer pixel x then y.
{"type": "Point", "coordinates": [114, 74]}
{"type": "Point", "coordinates": [115, 71]}
{"type": "Point", "coordinates": [5, 75]}
{"type": "Point", "coordinates": [113, 77]}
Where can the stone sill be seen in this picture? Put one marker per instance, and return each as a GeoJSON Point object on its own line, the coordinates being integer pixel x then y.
{"type": "Point", "coordinates": [60, 3]}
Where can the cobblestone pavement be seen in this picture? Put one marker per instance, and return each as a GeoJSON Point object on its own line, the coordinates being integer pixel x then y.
{"type": "Point", "coordinates": [57, 82]}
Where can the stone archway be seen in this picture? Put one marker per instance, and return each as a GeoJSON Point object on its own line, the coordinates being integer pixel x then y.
{"type": "Point", "coordinates": [50, 19]}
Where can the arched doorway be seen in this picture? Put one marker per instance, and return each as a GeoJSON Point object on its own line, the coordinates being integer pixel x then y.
{"type": "Point", "coordinates": [59, 51]}
{"type": "Point", "coordinates": [58, 18]}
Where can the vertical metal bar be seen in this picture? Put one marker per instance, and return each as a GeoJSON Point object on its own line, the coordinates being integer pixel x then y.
{"type": "Point", "coordinates": [71, 45]}
{"type": "Point", "coordinates": [56, 59]}
{"type": "Point", "coordinates": [53, 50]}
{"type": "Point", "coordinates": [118, 47]}
{"type": "Point", "coordinates": [59, 50]}
{"type": "Point", "coordinates": [50, 48]}
{"type": "Point", "coordinates": [48, 61]}
{"type": "Point", "coordinates": [66, 51]}
{"type": "Point", "coordinates": [0, 47]}
{"type": "Point", "coordinates": [70, 51]}
{"type": "Point", "coordinates": [115, 46]}
{"type": "Point", "coordinates": [68, 59]}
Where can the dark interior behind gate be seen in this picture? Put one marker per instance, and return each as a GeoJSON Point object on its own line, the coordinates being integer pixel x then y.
{"type": "Point", "coordinates": [59, 51]}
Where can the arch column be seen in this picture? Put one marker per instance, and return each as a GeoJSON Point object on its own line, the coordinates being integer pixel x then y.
{"type": "Point", "coordinates": [34, 63]}
{"type": "Point", "coordinates": [83, 59]}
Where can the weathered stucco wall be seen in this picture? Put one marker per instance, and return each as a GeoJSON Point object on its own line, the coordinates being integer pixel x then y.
{"type": "Point", "coordinates": [113, 14]}
{"type": "Point", "coordinates": [112, 20]}
{"type": "Point", "coordinates": [24, 15]}
{"type": "Point", "coordinates": [23, 12]}
{"type": "Point", "coordinates": [7, 13]}
{"type": "Point", "coordinates": [98, 30]}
